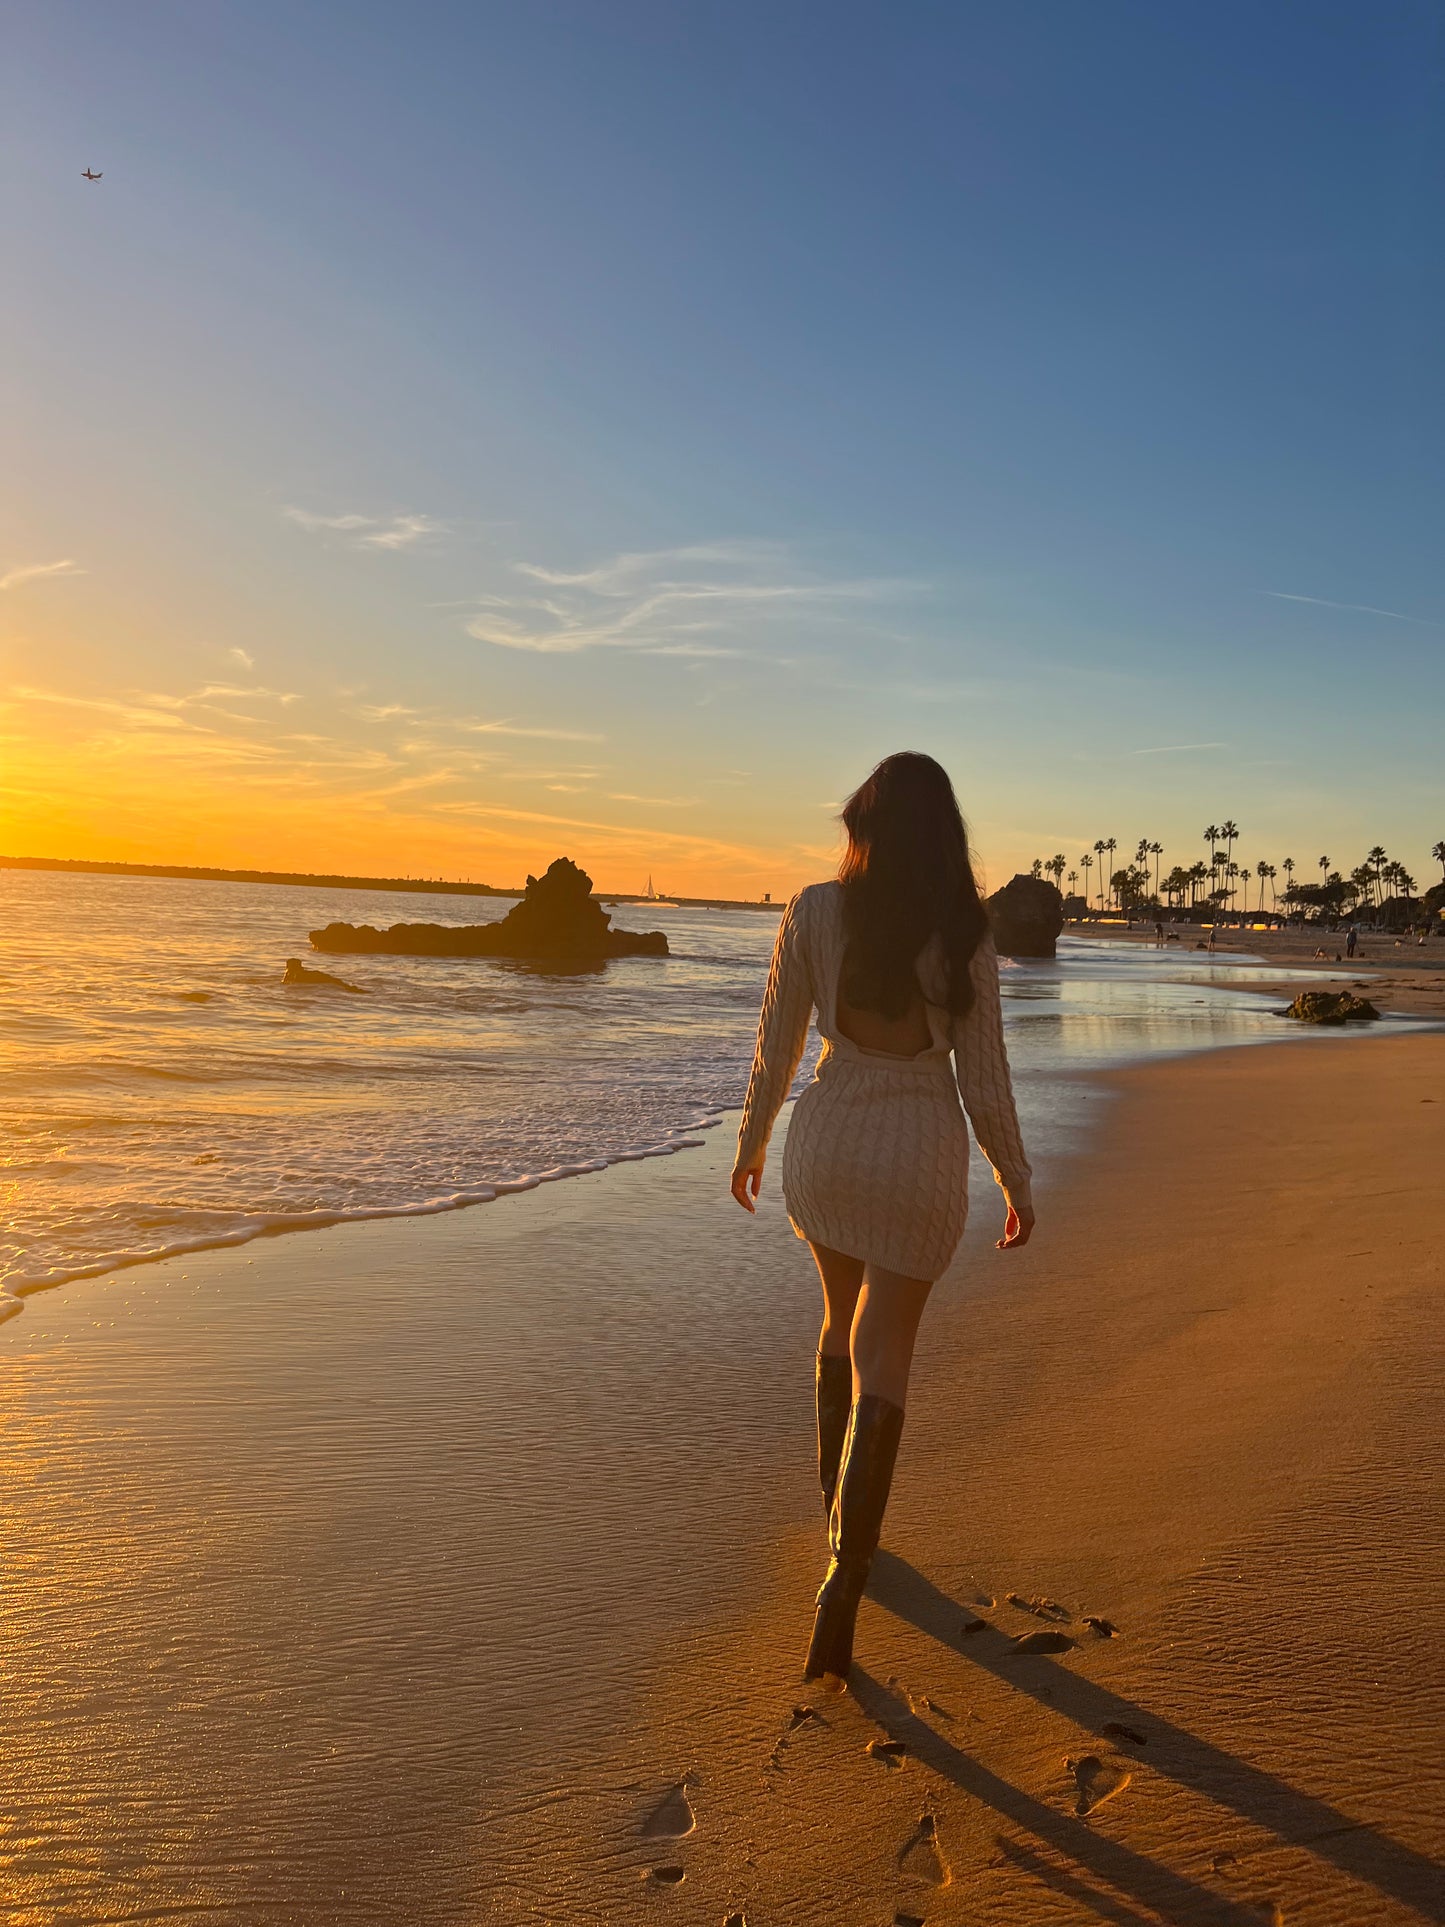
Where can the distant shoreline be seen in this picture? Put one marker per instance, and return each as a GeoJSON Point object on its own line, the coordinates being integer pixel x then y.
{"type": "Point", "coordinates": [299, 879]}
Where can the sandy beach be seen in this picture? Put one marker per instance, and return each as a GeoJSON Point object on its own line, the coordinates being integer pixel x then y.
{"type": "Point", "coordinates": [405, 1572]}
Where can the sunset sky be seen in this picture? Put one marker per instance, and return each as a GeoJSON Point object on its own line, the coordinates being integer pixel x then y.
{"type": "Point", "coordinates": [450, 436]}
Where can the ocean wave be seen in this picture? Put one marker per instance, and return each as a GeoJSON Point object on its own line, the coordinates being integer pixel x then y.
{"type": "Point", "coordinates": [245, 1227]}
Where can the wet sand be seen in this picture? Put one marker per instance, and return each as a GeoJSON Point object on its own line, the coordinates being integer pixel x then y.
{"type": "Point", "coordinates": [1398, 974]}
{"type": "Point", "coordinates": [459, 1569]}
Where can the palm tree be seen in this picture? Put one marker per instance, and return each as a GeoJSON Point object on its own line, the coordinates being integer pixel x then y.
{"type": "Point", "coordinates": [1055, 867]}
{"type": "Point", "coordinates": [1229, 831]}
{"type": "Point", "coordinates": [1156, 850]}
{"type": "Point", "coordinates": [1036, 868]}
{"type": "Point", "coordinates": [1263, 872]}
{"type": "Point", "coordinates": [1324, 865]}
{"type": "Point", "coordinates": [1288, 867]}
{"type": "Point", "coordinates": [1211, 837]}
{"type": "Point", "coordinates": [1111, 846]}
{"type": "Point", "coordinates": [1073, 879]}
{"type": "Point", "coordinates": [1099, 848]}
{"type": "Point", "coordinates": [1439, 855]}
{"type": "Point", "coordinates": [1272, 873]}
{"type": "Point", "coordinates": [1086, 863]}
{"type": "Point", "coordinates": [1376, 857]}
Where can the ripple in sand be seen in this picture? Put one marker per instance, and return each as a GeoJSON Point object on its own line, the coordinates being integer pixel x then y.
{"type": "Point", "coordinates": [1097, 1781]}
{"type": "Point", "coordinates": [672, 1818]}
{"type": "Point", "coordinates": [920, 1857]}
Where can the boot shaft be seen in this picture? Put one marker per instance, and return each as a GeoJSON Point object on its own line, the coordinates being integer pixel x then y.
{"type": "Point", "coordinates": [833, 1380]}
{"type": "Point", "coordinates": [865, 1478]}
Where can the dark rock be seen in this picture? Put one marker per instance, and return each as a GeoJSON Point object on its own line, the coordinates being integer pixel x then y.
{"type": "Point", "coordinates": [297, 973]}
{"type": "Point", "coordinates": [1331, 1007]}
{"type": "Point", "coordinates": [1027, 915]}
{"type": "Point", "coordinates": [557, 919]}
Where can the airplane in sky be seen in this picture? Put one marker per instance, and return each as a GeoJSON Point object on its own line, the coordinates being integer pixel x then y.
{"type": "Point", "coordinates": [88, 176]}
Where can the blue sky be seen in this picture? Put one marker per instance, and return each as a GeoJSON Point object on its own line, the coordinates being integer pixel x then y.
{"type": "Point", "coordinates": [476, 432]}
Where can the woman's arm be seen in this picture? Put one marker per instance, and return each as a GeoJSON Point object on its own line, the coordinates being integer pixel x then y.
{"type": "Point", "coordinates": [782, 1034]}
{"type": "Point", "coordinates": [980, 1061]}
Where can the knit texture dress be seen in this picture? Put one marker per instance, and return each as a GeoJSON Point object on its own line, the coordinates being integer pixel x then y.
{"type": "Point", "coordinates": [876, 1162]}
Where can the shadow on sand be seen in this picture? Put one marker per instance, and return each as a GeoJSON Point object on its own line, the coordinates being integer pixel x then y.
{"type": "Point", "coordinates": [1297, 1819]}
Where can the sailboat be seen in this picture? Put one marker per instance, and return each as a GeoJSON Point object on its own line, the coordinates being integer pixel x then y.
{"type": "Point", "coordinates": [651, 896]}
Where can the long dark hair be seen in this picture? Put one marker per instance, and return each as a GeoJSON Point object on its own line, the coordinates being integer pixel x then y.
{"type": "Point", "coordinates": [907, 877]}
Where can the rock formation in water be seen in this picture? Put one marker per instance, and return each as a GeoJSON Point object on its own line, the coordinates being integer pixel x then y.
{"type": "Point", "coordinates": [556, 921]}
{"type": "Point", "coordinates": [1331, 1007]}
{"type": "Point", "coordinates": [296, 972]}
{"type": "Point", "coordinates": [1027, 915]}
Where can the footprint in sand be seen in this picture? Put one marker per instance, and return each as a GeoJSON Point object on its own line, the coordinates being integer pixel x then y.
{"type": "Point", "coordinates": [735, 1920]}
{"type": "Point", "coordinates": [921, 1703]}
{"type": "Point", "coordinates": [1043, 1643]}
{"type": "Point", "coordinates": [672, 1876]}
{"type": "Point", "coordinates": [908, 1920]}
{"type": "Point", "coordinates": [920, 1859]}
{"type": "Point", "coordinates": [672, 1818]}
{"type": "Point", "coordinates": [1042, 1608]}
{"type": "Point", "coordinates": [1097, 1781]}
{"type": "Point", "coordinates": [1116, 1730]}
{"type": "Point", "coordinates": [1105, 1628]}
{"type": "Point", "coordinates": [800, 1717]}
{"type": "Point", "coordinates": [890, 1753]}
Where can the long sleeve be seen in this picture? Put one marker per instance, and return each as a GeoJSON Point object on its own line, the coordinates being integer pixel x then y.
{"type": "Point", "coordinates": [980, 1062]}
{"type": "Point", "coordinates": [782, 1034]}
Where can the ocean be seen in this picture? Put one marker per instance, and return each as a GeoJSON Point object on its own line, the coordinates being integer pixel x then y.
{"type": "Point", "coordinates": [165, 1092]}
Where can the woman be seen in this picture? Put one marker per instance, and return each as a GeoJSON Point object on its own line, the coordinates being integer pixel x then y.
{"type": "Point", "coordinates": [896, 959]}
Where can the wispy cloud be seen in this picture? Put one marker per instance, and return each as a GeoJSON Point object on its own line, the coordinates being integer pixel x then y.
{"type": "Point", "coordinates": [243, 657]}
{"type": "Point", "coordinates": [1175, 749]}
{"type": "Point", "coordinates": [33, 571]}
{"type": "Point", "coordinates": [656, 802]}
{"type": "Point", "coordinates": [546, 735]}
{"type": "Point", "coordinates": [369, 531]}
{"type": "Point", "coordinates": [473, 725]}
{"type": "Point", "coordinates": [707, 600]}
{"type": "Point", "coordinates": [1355, 608]}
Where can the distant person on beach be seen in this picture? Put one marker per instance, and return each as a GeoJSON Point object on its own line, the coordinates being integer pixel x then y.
{"type": "Point", "coordinates": [1158, 936]}
{"type": "Point", "coordinates": [896, 958]}
{"type": "Point", "coordinates": [1352, 941]}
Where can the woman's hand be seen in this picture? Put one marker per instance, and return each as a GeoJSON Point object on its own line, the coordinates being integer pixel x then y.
{"type": "Point", "coordinates": [1017, 1229]}
{"type": "Point", "coordinates": [747, 1179]}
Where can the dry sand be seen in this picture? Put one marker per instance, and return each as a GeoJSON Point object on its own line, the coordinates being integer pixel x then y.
{"type": "Point", "coordinates": [458, 1570]}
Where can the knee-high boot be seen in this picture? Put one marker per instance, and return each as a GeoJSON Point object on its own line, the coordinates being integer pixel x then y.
{"type": "Point", "coordinates": [866, 1476]}
{"type": "Point", "coordinates": [834, 1381]}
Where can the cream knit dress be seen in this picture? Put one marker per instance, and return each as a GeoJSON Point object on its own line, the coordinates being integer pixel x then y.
{"type": "Point", "coordinates": [876, 1162]}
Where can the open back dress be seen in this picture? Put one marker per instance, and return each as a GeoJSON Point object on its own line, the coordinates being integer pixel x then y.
{"type": "Point", "coordinates": [876, 1160]}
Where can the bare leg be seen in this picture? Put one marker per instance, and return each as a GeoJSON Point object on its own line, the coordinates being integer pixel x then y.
{"type": "Point", "coordinates": [842, 1280]}
{"type": "Point", "coordinates": [885, 1325]}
